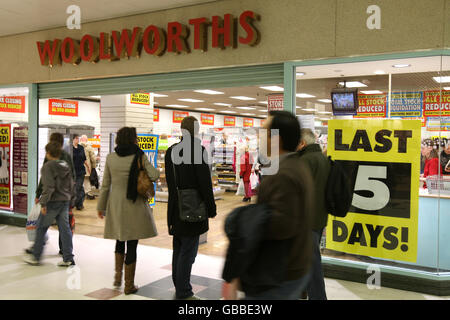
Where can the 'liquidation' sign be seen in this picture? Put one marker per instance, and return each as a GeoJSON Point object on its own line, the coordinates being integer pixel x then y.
{"type": "Point", "coordinates": [382, 160]}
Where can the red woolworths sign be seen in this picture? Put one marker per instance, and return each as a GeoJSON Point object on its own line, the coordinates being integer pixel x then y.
{"type": "Point", "coordinates": [229, 121]}
{"type": "Point", "coordinates": [58, 107]}
{"type": "Point", "coordinates": [153, 40]}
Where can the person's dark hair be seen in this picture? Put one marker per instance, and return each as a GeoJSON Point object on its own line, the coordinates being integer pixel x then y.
{"type": "Point", "coordinates": [433, 154]}
{"type": "Point", "coordinates": [289, 129]}
{"type": "Point", "coordinates": [191, 125]}
{"type": "Point", "coordinates": [54, 149]}
{"type": "Point", "coordinates": [126, 135]}
{"type": "Point", "coordinates": [76, 135]}
{"type": "Point", "coordinates": [57, 137]}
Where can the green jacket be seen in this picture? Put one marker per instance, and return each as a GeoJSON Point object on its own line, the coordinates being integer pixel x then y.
{"type": "Point", "coordinates": [320, 169]}
{"type": "Point", "coordinates": [65, 157]}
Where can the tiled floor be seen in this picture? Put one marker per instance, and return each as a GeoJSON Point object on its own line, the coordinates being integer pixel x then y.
{"type": "Point", "coordinates": [93, 275]}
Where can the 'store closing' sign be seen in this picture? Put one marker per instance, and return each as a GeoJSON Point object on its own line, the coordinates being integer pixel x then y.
{"type": "Point", "coordinates": [382, 160]}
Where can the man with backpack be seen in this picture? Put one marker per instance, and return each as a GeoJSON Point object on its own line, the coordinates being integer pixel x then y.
{"type": "Point", "coordinates": [319, 167]}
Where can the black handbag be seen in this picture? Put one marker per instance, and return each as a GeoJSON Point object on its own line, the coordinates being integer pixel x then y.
{"type": "Point", "coordinates": [190, 204]}
{"type": "Point", "coordinates": [93, 178]}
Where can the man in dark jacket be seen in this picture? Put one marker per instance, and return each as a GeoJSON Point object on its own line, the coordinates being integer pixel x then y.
{"type": "Point", "coordinates": [319, 167]}
{"type": "Point", "coordinates": [80, 163]}
{"type": "Point", "coordinates": [288, 194]}
{"type": "Point", "coordinates": [192, 173]}
{"type": "Point", "coordinates": [445, 158]}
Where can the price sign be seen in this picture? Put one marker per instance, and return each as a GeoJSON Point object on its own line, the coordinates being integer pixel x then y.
{"type": "Point", "coordinates": [382, 160]}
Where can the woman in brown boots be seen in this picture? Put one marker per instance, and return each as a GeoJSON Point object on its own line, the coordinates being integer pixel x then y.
{"type": "Point", "coordinates": [128, 215]}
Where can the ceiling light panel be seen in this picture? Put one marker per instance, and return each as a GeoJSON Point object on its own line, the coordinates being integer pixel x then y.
{"type": "Point", "coordinates": [158, 95]}
{"type": "Point", "coordinates": [210, 92]}
{"type": "Point", "coordinates": [352, 84]}
{"type": "Point", "coordinates": [242, 98]}
{"type": "Point", "coordinates": [273, 88]}
{"type": "Point", "coordinates": [304, 95]}
{"type": "Point", "coordinates": [223, 104]}
{"type": "Point", "coordinates": [442, 79]}
{"type": "Point", "coordinates": [246, 108]}
{"type": "Point", "coordinates": [371, 92]}
{"type": "Point", "coordinates": [176, 106]}
{"type": "Point", "coordinates": [191, 100]}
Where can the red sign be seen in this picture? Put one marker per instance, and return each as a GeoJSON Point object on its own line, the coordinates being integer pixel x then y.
{"type": "Point", "coordinates": [155, 115]}
{"type": "Point", "coordinates": [117, 45]}
{"type": "Point", "coordinates": [229, 121]}
{"type": "Point", "coordinates": [58, 107]}
{"type": "Point", "coordinates": [432, 106]}
{"type": "Point", "coordinates": [12, 104]}
{"type": "Point", "coordinates": [207, 119]}
{"type": "Point", "coordinates": [5, 165]}
{"type": "Point", "coordinates": [275, 102]}
{"type": "Point", "coordinates": [248, 122]}
{"type": "Point", "coordinates": [178, 116]}
{"type": "Point", "coordinates": [371, 106]}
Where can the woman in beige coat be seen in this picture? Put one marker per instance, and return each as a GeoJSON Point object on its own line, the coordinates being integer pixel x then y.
{"type": "Point", "coordinates": [128, 215]}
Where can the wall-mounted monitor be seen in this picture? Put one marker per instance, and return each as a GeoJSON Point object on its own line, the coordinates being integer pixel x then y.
{"type": "Point", "coordinates": [344, 101]}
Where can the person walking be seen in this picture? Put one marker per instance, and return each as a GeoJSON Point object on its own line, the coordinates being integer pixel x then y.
{"type": "Point", "coordinates": [80, 164]}
{"type": "Point", "coordinates": [285, 252]}
{"type": "Point", "coordinates": [445, 159]}
{"type": "Point", "coordinates": [91, 160]}
{"type": "Point", "coordinates": [190, 174]}
{"type": "Point", "coordinates": [319, 167]}
{"type": "Point", "coordinates": [57, 193]}
{"type": "Point", "coordinates": [129, 217]}
{"type": "Point", "coordinates": [246, 171]}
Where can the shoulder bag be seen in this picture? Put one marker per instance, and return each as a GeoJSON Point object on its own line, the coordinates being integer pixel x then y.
{"type": "Point", "coordinates": [190, 204]}
{"type": "Point", "coordinates": [145, 186]}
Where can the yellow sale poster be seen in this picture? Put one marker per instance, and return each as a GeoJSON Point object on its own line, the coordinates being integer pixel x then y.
{"type": "Point", "coordinates": [382, 160]}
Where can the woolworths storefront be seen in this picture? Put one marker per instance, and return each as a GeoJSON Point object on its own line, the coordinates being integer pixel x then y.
{"type": "Point", "coordinates": [389, 58]}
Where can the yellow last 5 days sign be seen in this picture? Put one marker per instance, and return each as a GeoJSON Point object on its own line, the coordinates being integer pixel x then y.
{"type": "Point", "coordinates": [382, 160]}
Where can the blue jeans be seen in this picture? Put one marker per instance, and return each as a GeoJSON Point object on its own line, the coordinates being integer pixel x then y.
{"type": "Point", "coordinates": [59, 211]}
{"type": "Point", "coordinates": [288, 290]}
{"type": "Point", "coordinates": [184, 252]}
{"type": "Point", "coordinates": [316, 287]}
{"type": "Point", "coordinates": [79, 189]}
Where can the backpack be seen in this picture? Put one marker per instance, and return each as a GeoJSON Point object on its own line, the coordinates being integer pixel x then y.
{"type": "Point", "coordinates": [339, 192]}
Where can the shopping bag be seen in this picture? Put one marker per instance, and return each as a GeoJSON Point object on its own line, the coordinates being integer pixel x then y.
{"type": "Point", "coordinates": [254, 181]}
{"type": "Point", "coordinates": [240, 190]}
{"type": "Point", "coordinates": [31, 224]}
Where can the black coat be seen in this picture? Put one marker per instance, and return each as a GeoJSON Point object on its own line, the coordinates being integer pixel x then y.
{"type": "Point", "coordinates": [195, 176]}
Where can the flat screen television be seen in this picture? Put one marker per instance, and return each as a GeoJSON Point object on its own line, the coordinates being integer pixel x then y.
{"type": "Point", "coordinates": [344, 101]}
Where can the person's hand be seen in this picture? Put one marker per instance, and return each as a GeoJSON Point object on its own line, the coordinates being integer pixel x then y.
{"type": "Point", "coordinates": [447, 169]}
{"type": "Point", "coordinates": [100, 214]}
{"type": "Point", "coordinates": [44, 211]}
{"type": "Point", "coordinates": [36, 201]}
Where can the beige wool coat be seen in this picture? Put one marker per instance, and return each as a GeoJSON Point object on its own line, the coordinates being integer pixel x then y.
{"type": "Point", "coordinates": [125, 220]}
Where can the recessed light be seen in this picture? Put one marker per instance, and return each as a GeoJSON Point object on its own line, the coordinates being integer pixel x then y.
{"type": "Point", "coordinates": [176, 106]}
{"type": "Point", "coordinates": [158, 95]}
{"type": "Point", "coordinates": [325, 100]}
{"type": "Point", "coordinates": [309, 110]}
{"type": "Point", "coordinates": [228, 111]}
{"type": "Point", "coordinates": [304, 95]}
{"type": "Point", "coordinates": [300, 74]}
{"type": "Point", "coordinates": [204, 109]}
{"type": "Point", "coordinates": [246, 108]}
{"type": "Point", "coordinates": [442, 79]}
{"type": "Point", "coordinates": [273, 88]}
{"type": "Point", "coordinates": [262, 110]}
{"type": "Point", "coordinates": [298, 107]}
{"type": "Point", "coordinates": [379, 72]}
{"type": "Point", "coordinates": [191, 100]}
{"type": "Point", "coordinates": [95, 97]}
{"type": "Point", "coordinates": [324, 112]}
{"type": "Point", "coordinates": [211, 92]}
{"type": "Point", "coordinates": [352, 84]}
{"type": "Point", "coordinates": [401, 65]}
{"type": "Point", "coordinates": [242, 98]}
{"type": "Point", "coordinates": [248, 114]}
{"type": "Point", "coordinates": [372, 92]}
{"type": "Point", "coordinates": [446, 88]}
{"type": "Point", "coordinates": [223, 104]}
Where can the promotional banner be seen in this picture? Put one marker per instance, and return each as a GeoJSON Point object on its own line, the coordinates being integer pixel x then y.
{"type": "Point", "coordinates": [20, 169]}
{"type": "Point", "coordinates": [371, 106]}
{"type": "Point", "coordinates": [140, 98]}
{"type": "Point", "coordinates": [207, 119]}
{"type": "Point", "coordinates": [438, 124]}
{"type": "Point", "coordinates": [382, 160]}
{"type": "Point", "coordinates": [95, 141]}
{"type": "Point", "coordinates": [149, 144]}
{"type": "Point", "coordinates": [275, 102]}
{"type": "Point", "coordinates": [155, 115]}
{"type": "Point", "coordinates": [406, 104]}
{"type": "Point", "coordinates": [432, 106]}
{"type": "Point", "coordinates": [5, 164]}
{"type": "Point", "coordinates": [229, 121]}
{"type": "Point", "coordinates": [248, 123]}
{"type": "Point", "coordinates": [58, 107]}
{"type": "Point", "coordinates": [12, 104]}
{"type": "Point", "coordinates": [178, 116]}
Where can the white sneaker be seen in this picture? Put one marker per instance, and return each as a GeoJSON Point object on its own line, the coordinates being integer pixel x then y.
{"type": "Point", "coordinates": [65, 263]}
{"type": "Point", "coordinates": [30, 259]}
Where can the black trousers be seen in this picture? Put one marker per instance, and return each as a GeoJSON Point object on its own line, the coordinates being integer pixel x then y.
{"type": "Point", "coordinates": [184, 252]}
{"type": "Point", "coordinates": [131, 250]}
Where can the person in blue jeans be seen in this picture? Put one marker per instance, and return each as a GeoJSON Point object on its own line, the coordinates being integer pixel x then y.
{"type": "Point", "coordinates": [57, 195]}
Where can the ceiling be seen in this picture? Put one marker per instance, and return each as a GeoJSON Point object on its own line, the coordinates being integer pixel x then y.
{"type": "Point", "coordinates": [20, 16]}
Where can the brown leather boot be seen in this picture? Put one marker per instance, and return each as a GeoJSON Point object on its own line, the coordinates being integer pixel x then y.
{"type": "Point", "coordinates": [129, 279]}
{"type": "Point", "coordinates": [120, 258]}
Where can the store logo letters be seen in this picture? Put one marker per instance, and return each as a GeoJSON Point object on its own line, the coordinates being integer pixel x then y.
{"type": "Point", "coordinates": [153, 40]}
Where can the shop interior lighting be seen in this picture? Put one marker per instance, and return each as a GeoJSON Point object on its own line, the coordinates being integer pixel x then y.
{"type": "Point", "coordinates": [223, 104]}
{"type": "Point", "coordinates": [379, 72]}
{"type": "Point", "coordinates": [263, 102]}
{"type": "Point", "coordinates": [352, 84]}
{"type": "Point", "coordinates": [324, 100]}
{"type": "Point", "coordinates": [446, 88]}
{"type": "Point", "coordinates": [205, 109]}
{"type": "Point", "coordinates": [442, 79]}
{"type": "Point", "coordinates": [95, 97]}
{"type": "Point", "coordinates": [176, 106]}
{"type": "Point", "coordinates": [298, 107]}
{"type": "Point", "coordinates": [228, 111]}
{"type": "Point", "coordinates": [191, 100]}
{"type": "Point", "coordinates": [304, 95]}
{"type": "Point", "coordinates": [246, 108]}
{"type": "Point", "coordinates": [242, 98]}
{"type": "Point", "coordinates": [307, 109]}
{"type": "Point", "coordinates": [159, 95]}
{"type": "Point", "coordinates": [211, 92]}
{"type": "Point", "coordinates": [273, 88]}
{"type": "Point", "coordinates": [401, 65]}
{"type": "Point", "coordinates": [263, 110]}
{"type": "Point", "coordinates": [300, 74]}
{"type": "Point", "coordinates": [248, 114]}
{"type": "Point", "coordinates": [324, 112]}
{"type": "Point", "coordinates": [372, 92]}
